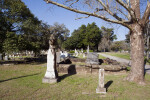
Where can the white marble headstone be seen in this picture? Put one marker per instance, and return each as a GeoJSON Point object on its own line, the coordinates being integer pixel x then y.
{"type": "Point", "coordinates": [50, 76]}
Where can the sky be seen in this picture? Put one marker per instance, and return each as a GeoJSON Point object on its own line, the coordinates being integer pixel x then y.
{"type": "Point", "coordinates": [50, 14]}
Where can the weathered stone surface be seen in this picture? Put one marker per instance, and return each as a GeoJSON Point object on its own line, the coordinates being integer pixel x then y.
{"type": "Point", "coordinates": [58, 57]}
{"type": "Point", "coordinates": [63, 68]}
{"type": "Point", "coordinates": [100, 87]}
{"type": "Point", "coordinates": [101, 90]}
{"type": "Point", "coordinates": [49, 80]}
{"type": "Point", "coordinates": [77, 60]}
{"type": "Point", "coordinates": [50, 75]}
{"type": "Point", "coordinates": [92, 58]}
{"type": "Point", "coordinates": [108, 67]}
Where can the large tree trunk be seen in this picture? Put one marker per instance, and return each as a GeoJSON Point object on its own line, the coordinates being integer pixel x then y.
{"type": "Point", "coordinates": [137, 54]}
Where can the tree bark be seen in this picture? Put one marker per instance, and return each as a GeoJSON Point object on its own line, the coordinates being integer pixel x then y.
{"type": "Point", "coordinates": [147, 49]}
{"type": "Point", "coordinates": [137, 54]}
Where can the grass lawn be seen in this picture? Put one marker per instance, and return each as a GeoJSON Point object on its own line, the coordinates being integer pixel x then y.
{"type": "Point", "coordinates": [101, 57]}
{"type": "Point", "coordinates": [124, 56]}
{"type": "Point", "coordinates": [19, 82]}
{"type": "Point", "coordinates": [120, 55]}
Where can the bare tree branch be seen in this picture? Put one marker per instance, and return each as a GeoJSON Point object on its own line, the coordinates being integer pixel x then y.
{"type": "Point", "coordinates": [74, 2]}
{"type": "Point", "coordinates": [107, 9]}
{"type": "Point", "coordinates": [82, 17]}
{"type": "Point", "coordinates": [146, 14]}
{"type": "Point", "coordinates": [127, 7]}
{"type": "Point", "coordinates": [124, 23]}
{"type": "Point", "coordinates": [124, 14]}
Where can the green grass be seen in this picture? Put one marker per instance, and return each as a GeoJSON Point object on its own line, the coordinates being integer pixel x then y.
{"type": "Point", "coordinates": [101, 57]}
{"type": "Point", "coordinates": [19, 82]}
{"type": "Point", "coordinates": [120, 55]}
{"type": "Point", "coordinates": [124, 56]}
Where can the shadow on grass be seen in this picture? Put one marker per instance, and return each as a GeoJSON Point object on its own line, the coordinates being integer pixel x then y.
{"type": "Point", "coordinates": [18, 77]}
{"type": "Point", "coordinates": [145, 70]}
{"type": "Point", "coordinates": [71, 71]}
{"type": "Point", "coordinates": [108, 84]}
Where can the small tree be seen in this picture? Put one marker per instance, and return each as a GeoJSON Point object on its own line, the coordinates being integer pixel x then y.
{"type": "Point", "coordinates": [119, 45]}
{"type": "Point", "coordinates": [108, 37]}
{"type": "Point", "coordinates": [93, 36]}
{"type": "Point", "coordinates": [10, 43]}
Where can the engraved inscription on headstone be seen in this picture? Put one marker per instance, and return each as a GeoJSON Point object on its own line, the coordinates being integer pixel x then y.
{"type": "Point", "coordinates": [92, 58]}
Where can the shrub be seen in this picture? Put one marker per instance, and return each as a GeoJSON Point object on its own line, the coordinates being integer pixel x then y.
{"type": "Point", "coordinates": [72, 51]}
{"type": "Point", "coordinates": [90, 50]}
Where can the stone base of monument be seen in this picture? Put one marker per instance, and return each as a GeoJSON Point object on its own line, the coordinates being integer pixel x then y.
{"type": "Point", "coordinates": [101, 90]}
{"type": "Point", "coordinates": [49, 80]}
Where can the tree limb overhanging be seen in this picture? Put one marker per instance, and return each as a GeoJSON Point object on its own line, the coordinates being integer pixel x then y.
{"type": "Point", "coordinates": [122, 22]}
{"type": "Point", "coordinates": [107, 9]}
{"type": "Point", "coordinates": [127, 7]}
{"type": "Point", "coordinates": [146, 14]}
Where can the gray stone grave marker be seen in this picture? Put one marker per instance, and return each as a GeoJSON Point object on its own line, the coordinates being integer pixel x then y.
{"type": "Point", "coordinates": [88, 49]}
{"type": "Point", "coordinates": [58, 57]}
{"type": "Point", "coordinates": [92, 58]}
{"type": "Point", "coordinates": [101, 89]}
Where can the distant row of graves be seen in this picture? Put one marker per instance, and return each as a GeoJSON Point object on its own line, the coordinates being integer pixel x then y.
{"type": "Point", "coordinates": [17, 55]}
{"type": "Point", "coordinates": [61, 55]}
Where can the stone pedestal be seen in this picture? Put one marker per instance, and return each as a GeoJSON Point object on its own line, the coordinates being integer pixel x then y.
{"type": "Point", "coordinates": [58, 57]}
{"type": "Point", "coordinates": [50, 75]}
{"type": "Point", "coordinates": [49, 80]}
{"type": "Point", "coordinates": [101, 89]}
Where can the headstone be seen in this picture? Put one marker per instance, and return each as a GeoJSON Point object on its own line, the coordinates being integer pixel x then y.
{"type": "Point", "coordinates": [58, 57]}
{"type": "Point", "coordinates": [51, 72]}
{"type": "Point", "coordinates": [88, 49]}
{"type": "Point", "coordinates": [6, 58]}
{"type": "Point", "coordinates": [76, 53]}
{"type": "Point", "coordinates": [63, 55]}
{"type": "Point", "coordinates": [83, 55]}
{"type": "Point", "coordinates": [82, 50]}
{"type": "Point", "coordinates": [66, 54]}
{"type": "Point", "coordinates": [92, 58]}
{"type": "Point", "coordinates": [50, 75]}
{"type": "Point", "coordinates": [0, 56]}
{"type": "Point", "coordinates": [101, 89]}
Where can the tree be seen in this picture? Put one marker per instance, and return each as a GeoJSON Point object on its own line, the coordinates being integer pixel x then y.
{"type": "Point", "coordinates": [123, 12]}
{"type": "Point", "coordinates": [147, 39]}
{"type": "Point", "coordinates": [84, 36]}
{"type": "Point", "coordinates": [108, 37]}
{"type": "Point", "coordinates": [10, 43]}
{"type": "Point", "coordinates": [127, 38]}
{"type": "Point", "coordinates": [75, 41]}
{"type": "Point", "coordinates": [93, 36]}
{"type": "Point", "coordinates": [61, 33]}
{"type": "Point", "coordinates": [16, 22]}
{"type": "Point", "coordinates": [119, 45]}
